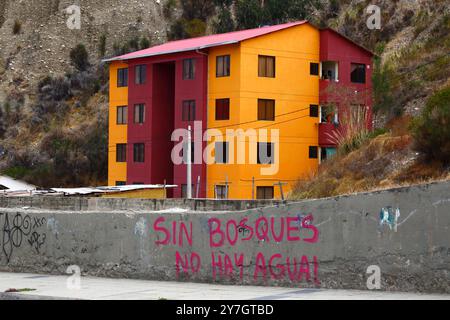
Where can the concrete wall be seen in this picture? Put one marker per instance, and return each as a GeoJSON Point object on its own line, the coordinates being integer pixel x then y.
{"type": "Point", "coordinates": [114, 204]}
{"type": "Point", "coordinates": [326, 243]}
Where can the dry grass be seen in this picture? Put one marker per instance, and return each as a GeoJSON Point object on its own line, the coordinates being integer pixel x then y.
{"type": "Point", "coordinates": [386, 161]}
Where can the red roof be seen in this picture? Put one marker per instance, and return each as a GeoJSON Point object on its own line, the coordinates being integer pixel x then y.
{"type": "Point", "coordinates": [205, 42]}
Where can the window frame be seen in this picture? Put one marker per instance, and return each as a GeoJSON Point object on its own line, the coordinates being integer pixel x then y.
{"type": "Point", "coordinates": [140, 114]}
{"type": "Point", "coordinates": [312, 68]}
{"type": "Point", "coordinates": [122, 115]}
{"type": "Point", "coordinates": [122, 77]}
{"type": "Point", "coordinates": [192, 152]}
{"type": "Point", "coordinates": [225, 152]}
{"type": "Point", "coordinates": [264, 115]}
{"type": "Point", "coordinates": [272, 151]}
{"type": "Point", "coordinates": [360, 66]}
{"type": "Point", "coordinates": [264, 191]}
{"type": "Point", "coordinates": [225, 112]}
{"type": "Point", "coordinates": [191, 109]}
{"type": "Point", "coordinates": [121, 156]}
{"type": "Point", "coordinates": [139, 152]}
{"type": "Point", "coordinates": [140, 74]}
{"type": "Point", "coordinates": [313, 152]}
{"type": "Point", "coordinates": [263, 71]}
{"type": "Point", "coordinates": [314, 111]}
{"type": "Point", "coordinates": [189, 68]}
{"type": "Point", "coordinates": [224, 192]}
{"type": "Point", "coordinates": [225, 62]}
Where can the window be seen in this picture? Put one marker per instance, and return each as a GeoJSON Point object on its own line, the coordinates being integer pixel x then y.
{"type": "Point", "coordinates": [313, 152]}
{"type": "Point", "coordinates": [188, 110]}
{"type": "Point", "coordinates": [266, 67]}
{"type": "Point", "coordinates": [223, 109]}
{"type": "Point", "coordinates": [184, 151]}
{"type": "Point", "coordinates": [221, 152]}
{"type": "Point", "coordinates": [358, 74]}
{"type": "Point", "coordinates": [327, 153]}
{"type": "Point", "coordinates": [122, 115]}
{"type": "Point", "coordinates": [264, 193]}
{"type": "Point", "coordinates": [266, 109]}
{"type": "Point", "coordinates": [314, 69]}
{"type": "Point", "coordinates": [265, 153]}
{"type": "Point", "coordinates": [121, 152]}
{"type": "Point", "coordinates": [139, 152]}
{"type": "Point", "coordinates": [138, 183]}
{"type": "Point", "coordinates": [221, 192]}
{"type": "Point", "coordinates": [329, 114]}
{"type": "Point", "coordinates": [122, 77]}
{"type": "Point", "coordinates": [121, 183]}
{"type": "Point", "coordinates": [223, 66]}
{"type": "Point", "coordinates": [184, 191]}
{"type": "Point", "coordinates": [188, 69]}
{"type": "Point", "coordinates": [139, 113]}
{"type": "Point", "coordinates": [314, 111]}
{"type": "Point", "coordinates": [140, 74]}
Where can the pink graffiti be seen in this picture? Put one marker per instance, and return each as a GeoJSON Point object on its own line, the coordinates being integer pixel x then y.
{"type": "Point", "coordinates": [262, 229]}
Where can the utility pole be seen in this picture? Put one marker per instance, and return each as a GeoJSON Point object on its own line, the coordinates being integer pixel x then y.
{"type": "Point", "coordinates": [226, 187]}
{"type": "Point", "coordinates": [253, 188]}
{"type": "Point", "coordinates": [189, 166]}
{"type": "Point", "coordinates": [281, 184]}
{"type": "Point", "coordinates": [198, 187]}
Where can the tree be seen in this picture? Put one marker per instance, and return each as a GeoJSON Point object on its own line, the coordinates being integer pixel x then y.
{"type": "Point", "coordinates": [249, 14]}
{"type": "Point", "coordinates": [79, 57]}
{"type": "Point", "coordinates": [431, 131]}
{"type": "Point", "coordinates": [224, 21]}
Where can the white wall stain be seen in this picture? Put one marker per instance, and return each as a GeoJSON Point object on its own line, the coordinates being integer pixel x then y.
{"type": "Point", "coordinates": [53, 225]}
{"type": "Point", "coordinates": [140, 227]}
{"type": "Point", "coordinates": [406, 219]}
{"type": "Point", "coordinates": [440, 202]}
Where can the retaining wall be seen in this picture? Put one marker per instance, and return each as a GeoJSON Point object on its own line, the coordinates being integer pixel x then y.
{"type": "Point", "coordinates": [328, 243]}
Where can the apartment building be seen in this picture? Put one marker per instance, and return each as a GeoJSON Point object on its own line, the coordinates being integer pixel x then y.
{"type": "Point", "coordinates": [257, 102]}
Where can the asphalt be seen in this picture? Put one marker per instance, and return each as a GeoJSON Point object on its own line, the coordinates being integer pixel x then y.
{"type": "Point", "coordinates": [50, 287]}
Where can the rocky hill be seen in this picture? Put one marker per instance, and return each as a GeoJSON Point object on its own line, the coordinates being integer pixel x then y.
{"type": "Point", "coordinates": [53, 116]}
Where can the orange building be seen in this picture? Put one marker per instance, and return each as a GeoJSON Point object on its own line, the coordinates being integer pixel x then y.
{"type": "Point", "coordinates": [257, 95]}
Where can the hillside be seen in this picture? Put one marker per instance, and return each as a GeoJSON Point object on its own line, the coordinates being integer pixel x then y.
{"type": "Point", "coordinates": [382, 162]}
{"type": "Point", "coordinates": [53, 117]}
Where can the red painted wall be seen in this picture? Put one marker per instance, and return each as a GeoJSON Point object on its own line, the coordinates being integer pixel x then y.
{"type": "Point", "coordinates": [334, 47]}
{"type": "Point", "coordinates": [163, 94]}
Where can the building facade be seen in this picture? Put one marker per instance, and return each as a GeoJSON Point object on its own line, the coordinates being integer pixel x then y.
{"type": "Point", "coordinates": [257, 101]}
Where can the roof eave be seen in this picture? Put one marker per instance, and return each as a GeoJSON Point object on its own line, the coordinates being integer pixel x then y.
{"type": "Point", "coordinates": [171, 51]}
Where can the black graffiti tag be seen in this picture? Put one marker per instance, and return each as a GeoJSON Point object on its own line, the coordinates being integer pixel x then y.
{"type": "Point", "coordinates": [16, 229]}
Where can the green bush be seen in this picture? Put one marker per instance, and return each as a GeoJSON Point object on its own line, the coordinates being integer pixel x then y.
{"type": "Point", "coordinates": [79, 57]}
{"type": "Point", "coordinates": [16, 172]}
{"type": "Point", "coordinates": [431, 130]}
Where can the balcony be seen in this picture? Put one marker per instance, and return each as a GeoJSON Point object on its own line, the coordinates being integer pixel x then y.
{"type": "Point", "coordinates": [327, 134]}
{"type": "Point", "coordinates": [329, 126]}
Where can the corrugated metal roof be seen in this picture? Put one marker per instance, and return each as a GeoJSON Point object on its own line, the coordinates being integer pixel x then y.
{"type": "Point", "coordinates": [205, 42]}
{"type": "Point", "coordinates": [91, 190]}
{"type": "Point", "coordinates": [15, 185]}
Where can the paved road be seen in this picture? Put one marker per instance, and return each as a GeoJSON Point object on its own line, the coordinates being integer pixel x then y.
{"type": "Point", "coordinates": [110, 289]}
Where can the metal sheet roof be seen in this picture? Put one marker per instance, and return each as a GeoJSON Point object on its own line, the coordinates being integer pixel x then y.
{"type": "Point", "coordinates": [205, 42]}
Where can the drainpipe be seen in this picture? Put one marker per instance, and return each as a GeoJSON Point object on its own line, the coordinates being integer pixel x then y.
{"type": "Point", "coordinates": [206, 120]}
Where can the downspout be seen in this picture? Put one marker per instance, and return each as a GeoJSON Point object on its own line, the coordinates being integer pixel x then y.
{"type": "Point", "coordinates": [206, 120]}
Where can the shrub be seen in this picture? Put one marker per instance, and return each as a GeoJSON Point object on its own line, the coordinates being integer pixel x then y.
{"type": "Point", "coordinates": [17, 27]}
{"type": "Point", "coordinates": [145, 43]}
{"type": "Point", "coordinates": [79, 57]}
{"type": "Point", "coordinates": [431, 130]}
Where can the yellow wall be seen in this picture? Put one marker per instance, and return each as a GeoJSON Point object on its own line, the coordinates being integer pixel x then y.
{"type": "Point", "coordinates": [117, 133]}
{"type": "Point", "coordinates": [159, 193]}
{"type": "Point", "coordinates": [293, 88]}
